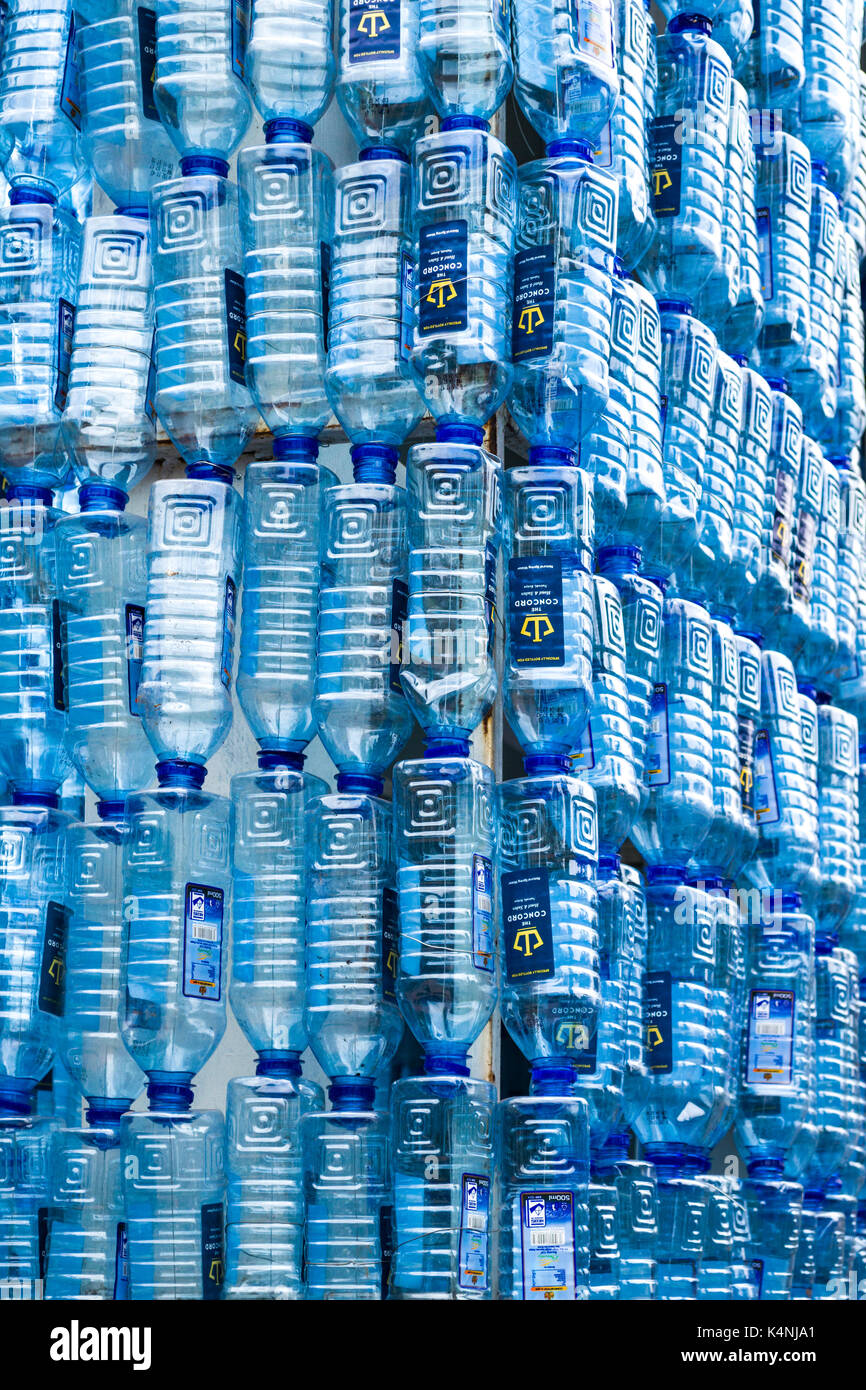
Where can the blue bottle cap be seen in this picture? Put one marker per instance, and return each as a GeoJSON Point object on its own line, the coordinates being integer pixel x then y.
{"type": "Point", "coordinates": [676, 1160]}
{"type": "Point", "coordinates": [111, 810]}
{"type": "Point", "coordinates": [36, 794]}
{"type": "Point", "coordinates": [740, 358]}
{"type": "Point", "coordinates": [546, 764]}
{"type": "Point", "coordinates": [463, 123]}
{"type": "Point", "coordinates": [191, 165]}
{"type": "Point", "coordinates": [445, 1064]}
{"type": "Point", "coordinates": [570, 145]}
{"type": "Point", "coordinates": [682, 23]}
{"type": "Point", "coordinates": [456, 432]}
{"type": "Point", "coordinates": [665, 873]}
{"type": "Point", "coordinates": [553, 1076]}
{"type": "Point", "coordinates": [101, 497]}
{"type": "Point", "coordinates": [25, 492]}
{"type": "Point", "coordinates": [141, 210]}
{"type": "Point", "coordinates": [839, 460]}
{"type": "Point", "coordinates": [211, 472]}
{"type": "Point", "coordinates": [374, 463]}
{"type": "Point", "coordinates": [674, 306]}
{"type": "Point", "coordinates": [619, 269]}
{"type": "Point", "coordinates": [26, 193]}
{"type": "Point", "coordinates": [792, 901]}
{"type": "Point", "coordinates": [285, 129]}
{"type": "Point", "coordinates": [821, 697]}
{"type": "Point", "coordinates": [16, 1095]}
{"type": "Point", "coordinates": [614, 1150]}
{"type": "Point", "coordinates": [608, 865]}
{"type": "Point", "coordinates": [352, 1093]}
{"type": "Point", "coordinates": [777, 383]}
{"type": "Point", "coordinates": [609, 555]}
{"type": "Point", "coordinates": [825, 941]}
{"type": "Point", "coordinates": [169, 1090]}
{"type": "Point", "coordinates": [750, 635]}
{"type": "Point", "coordinates": [362, 782]}
{"type": "Point", "coordinates": [106, 1112]}
{"type": "Point", "coordinates": [552, 455]}
{"type": "Point", "coordinates": [271, 758]}
{"type": "Point", "coordinates": [710, 883]}
{"type": "Point", "coordinates": [177, 772]}
{"type": "Point", "coordinates": [807, 689]}
{"type": "Point", "coordinates": [820, 171]}
{"type": "Point", "coordinates": [446, 748]}
{"type": "Point", "coordinates": [272, 1062]}
{"type": "Point", "coordinates": [769, 1164]}
{"type": "Point", "coordinates": [371, 152]}
{"type": "Point", "coordinates": [298, 448]}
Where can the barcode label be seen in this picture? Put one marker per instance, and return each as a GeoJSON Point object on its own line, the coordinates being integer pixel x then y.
{"type": "Point", "coordinates": [476, 1221]}
{"type": "Point", "coordinates": [484, 902]}
{"type": "Point", "coordinates": [553, 1236]}
{"type": "Point", "coordinates": [775, 1030]}
{"type": "Point", "coordinates": [205, 933]}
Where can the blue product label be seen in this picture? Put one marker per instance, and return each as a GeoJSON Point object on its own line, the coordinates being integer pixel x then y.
{"type": "Point", "coordinates": [212, 1259]}
{"type": "Point", "coordinates": [770, 1045]}
{"type": "Point", "coordinates": [765, 251]}
{"type": "Point", "coordinates": [658, 1022]}
{"type": "Point", "coordinates": [483, 939]}
{"type": "Point", "coordinates": [490, 593]}
{"type": "Point", "coordinates": [442, 285]}
{"type": "Point", "coordinates": [666, 165]}
{"type": "Point", "coordinates": [236, 325]}
{"type": "Point", "coordinates": [533, 304]}
{"type": "Point", "coordinates": [44, 1218]}
{"type": "Point", "coordinates": [240, 35]}
{"type": "Point", "coordinates": [602, 155]}
{"type": "Point", "coordinates": [390, 943]}
{"type": "Point", "coordinates": [526, 925]}
{"type": "Point", "coordinates": [70, 89]}
{"type": "Point", "coordinates": [58, 657]}
{"type": "Point", "coordinates": [325, 281]}
{"type": "Point", "coordinates": [474, 1222]}
{"type": "Point", "coordinates": [594, 30]}
{"type": "Point", "coordinates": [147, 61]}
{"type": "Point", "coordinates": [150, 388]}
{"type": "Point", "coordinates": [746, 740]}
{"type": "Point", "coordinates": [802, 557]}
{"type": "Point", "coordinates": [657, 772]}
{"type": "Point", "coordinates": [407, 304]}
{"type": "Point", "coordinates": [663, 418]}
{"type": "Point", "coordinates": [134, 653]}
{"type": "Point", "coordinates": [387, 1244]}
{"type": "Point", "coordinates": [202, 942]}
{"type": "Point", "coordinates": [65, 330]}
{"type": "Point", "coordinates": [374, 30]}
{"type": "Point", "coordinates": [535, 616]}
{"type": "Point", "coordinates": [780, 538]}
{"type": "Point", "coordinates": [583, 757]}
{"type": "Point", "coordinates": [766, 797]}
{"type": "Point", "coordinates": [547, 1246]}
{"type": "Point", "coordinates": [577, 1035]}
{"type": "Point", "coordinates": [399, 610]}
{"type": "Point", "coordinates": [121, 1263]}
{"type": "Point", "coordinates": [52, 973]}
{"type": "Point", "coordinates": [757, 1266]}
{"type": "Point", "coordinates": [228, 648]}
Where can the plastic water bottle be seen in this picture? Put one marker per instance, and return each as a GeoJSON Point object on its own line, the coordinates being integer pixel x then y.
{"type": "Point", "coordinates": [561, 308]}
{"type": "Point", "coordinates": [604, 1257]}
{"type": "Point", "coordinates": [549, 595]}
{"type": "Point", "coordinates": [688, 389]}
{"type": "Point", "coordinates": [108, 416]}
{"type": "Point", "coordinates": [634, 1182]}
{"type": "Point", "coordinates": [605, 450]}
{"type": "Point", "coordinates": [772, 591]}
{"type": "Point", "coordinates": [683, 1226]}
{"type": "Point", "coordinates": [347, 1187]}
{"type": "Point", "coordinates": [714, 1281]}
{"type": "Point", "coordinates": [200, 345]}
{"type": "Point", "coordinates": [177, 890]}
{"type": "Point", "coordinates": [816, 656]}
{"type": "Point", "coordinates": [850, 554]}
{"type": "Point", "coordinates": [688, 141]}
{"type": "Point", "coordinates": [351, 1015]}
{"type": "Point", "coordinates": [825, 97]}
{"type": "Point", "coordinates": [265, 1194]}
{"type": "Point", "coordinates": [628, 130]}
{"type": "Point", "coordinates": [678, 765]}
{"type": "Point", "coordinates": [369, 380]}
{"type": "Point", "coordinates": [803, 1278]}
{"type": "Point", "coordinates": [464, 53]}
{"type": "Point", "coordinates": [198, 86]}
{"type": "Point", "coordinates": [543, 1165]}
{"type": "Point", "coordinates": [773, 65]}
{"type": "Point", "coordinates": [744, 1284]}
{"type": "Point", "coordinates": [379, 85]}
{"type": "Point", "coordinates": [442, 1136]}
{"type": "Point", "coordinates": [719, 295]}
{"type": "Point", "coordinates": [709, 561]}
{"type": "Point", "coordinates": [126, 146]}
{"type": "Point", "coordinates": [852, 931]}
{"type": "Point", "coordinates": [641, 603]}
{"type": "Point", "coordinates": [565, 74]}
{"type": "Point", "coordinates": [783, 198]}
{"type": "Point", "coordinates": [174, 1197]}
{"type": "Point", "coordinates": [40, 98]}
{"type": "Point", "coordinates": [774, 1209]}
{"type": "Point", "coordinates": [193, 576]}
{"type": "Point", "coordinates": [813, 382]}
{"type": "Point", "coordinates": [750, 487]}
{"type": "Point", "coordinates": [465, 199]}
{"type": "Point", "coordinates": [281, 538]}
{"type": "Point", "coordinates": [606, 756]}
{"type": "Point", "coordinates": [270, 813]}
{"type": "Point", "coordinates": [738, 332]}
{"type": "Point", "coordinates": [645, 485]}
{"type": "Point", "coordinates": [853, 210]}
{"type": "Point", "coordinates": [838, 817]}
{"type": "Point", "coordinates": [33, 747]}
{"type": "Point", "coordinates": [289, 65]}
{"type": "Point", "coordinates": [835, 1059]}
{"type": "Point", "coordinates": [40, 246]}
{"type": "Point", "coordinates": [25, 1175]}
{"type": "Point", "coordinates": [731, 836]}
{"type": "Point", "coordinates": [87, 1255]}
{"type": "Point", "coordinates": [445, 837]}
{"type": "Point", "coordinates": [361, 712]}
{"type": "Point", "coordinates": [786, 856]}
{"type": "Point", "coordinates": [286, 216]}
{"type": "Point", "coordinates": [829, 1283]}
{"type": "Point", "coordinates": [842, 433]}
{"type": "Point", "coordinates": [90, 1044]}
{"type": "Point", "coordinates": [733, 22]}
{"type": "Point", "coordinates": [101, 577]}
{"type": "Point", "coordinates": [748, 719]}
{"type": "Point", "coordinates": [448, 672]}
{"type": "Point", "coordinates": [794, 620]}
{"type": "Point", "coordinates": [729, 978]}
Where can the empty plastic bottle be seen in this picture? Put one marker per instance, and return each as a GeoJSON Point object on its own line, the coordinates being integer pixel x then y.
{"type": "Point", "coordinates": [445, 838]}
{"type": "Point", "coordinates": [372, 301]}
{"type": "Point", "coordinates": [25, 1176]}
{"type": "Point", "coordinates": [289, 64]}
{"type": "Point", "coordinates": [442, 1137]}
{"type": "Point", "coordinates": [731, 836]}
{"type": "Point", "coordinates": [733, 21]}
{"type": "Point", "coordinates": [281, 539]}
{"type": "Point", "coordinates": [622, 920]}
{"type": "Point", "coordinates": [772, 591]}
{"type": "Point", "coordinates": [853, 210]}
{"type": "Point", "coordinates": [835, 1060]}
{"type": "Point", "coordinates": [748, 718]}
{"type": "Point", "coordinates": [561, 309]}
{"type": "Point", "coordinates": [852, 931]}
{"type": "Point", "coordinates": [774, 1209]}
{"type": "Point", "coordinates": [177, 889]}
{"type": "Point", "coordinates": [719, 294]}
{"type": "Point", "coordinates": [265, 1195]}
{"type": "Point", "coordinates": [683, 1205]}
{"type": "Point", "coordinates": [645, 487]}
{"type": "Point", "coordinates": [379, 85]}
{"type": "Point", "coordinates": [565, 74]}
{"type": "Point", "coordinates": [605, 450]}
{"type": "Point", "coordinates": [174, 1195]}
{"type": "Point", "coordinates": [448, 672]}
{"type": "Point", "coordinates": [772, 65]}
{"type": "Point", "coordinates": [604, 1257]}
{"type": "Point", "coordinates": [549, 589]}
{"type": "Point", "coordinates": [464, 53]}
{"type": "Point", "coordinates": [827, 1282]}
{"type": "Point", "coordinates": [849, 574]}
{"type": "Point", "coordinates": [715, 1275]}
{"type": "Point", "coordinates": [750, 486]}
{"type": "Point", "coordinates": [787, 850]}
{"type": "Point", "coordinates": [783, 198]}
{"type": "Point", "coordinates": [843, 432]}
{"type": "Point", "coordinates": [465, 200]}
{"type": "Point", "coordinates": [628, 130]}
{"type": "Point", "coordinates": [813, 381]}
{"type": "Point", "coordinates": [794, 621]}
{"type": "Point", "coordinates": [88, 1253]}
{"type": "Point", "coordinates": [816, 654]}
{"type": "Point", "coordinates": [634, 1182]}
{"type": "Point", "coordinates": [126, 145]}
{"type": "Point", "coordinates": [641, 603]}
{"type": "Point", "coordinates": [729, 977]}
{"type": "Point", "coordinates": [738, 332]}
{"type": "Point", "coordinates": [40, 99]}
{"type": "Point", "coordinates": [198, 86]}
{"type": "Point", "coordinates": [838, 817]}
{"type": "Point", "coordinates": [825, 96]}
{"type": "Point", "coordinates": [605, 755]}
{"type": "Point", "coordinates": [361, 712]}
{"type": "Point", "coordinates": [707, 566]}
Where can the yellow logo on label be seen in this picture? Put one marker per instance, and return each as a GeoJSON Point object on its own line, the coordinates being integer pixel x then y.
{"type": "Point", "coordinates": [216, 1271]}
{"type": "Point", "coordinates": [374, 23]}
{"type": "Point", "coordinates": [574, 1036]}
{"type": "Point", "coordinates": [654, 1037]}
{"type": "Point", "coordinates": [531, 938]}
{"type": "Point", "coordinates": [55, 970]}
{"type": "Point", "coordinates": [391, 963]}
{"type": "Point", "coordinates": [746, 779]}
{"type": "Point", "coordinates": [241, 344]}
{"type": "Point", "coordinates": [532, 625]}
{"type": "Point", "coordinates": [661, 181]}
{"type": "Point", "coordinates": [444, 289]}
{"type": "Point", "coordinates": [530, 319]}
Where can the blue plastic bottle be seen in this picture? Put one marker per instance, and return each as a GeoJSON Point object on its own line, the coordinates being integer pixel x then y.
{"type": "Point", "coordinates": [852, 932]}
{"type": "Point", "coordinates": [605, 450]}
{"type": "Point", "coordinates": [783, 198]}
{"type": "Point", "coordinates": [708, 564]}
{"type": "Point", "coordinates": [836, 1068]}
{"type": "Point", "coordinates": [464, 53]}
{"type": "Point", "coordinates": [442, 1137]}
{"type": "Point", "coordinates": [729, 977]}
{"type": "Point", "coordinates": [622, 921]}
{"type": "Point", "coordinates": [738, 332]}
{"type": "Point", "coordinates": [825, 97]}
{"type": "Point", "coordinates": [40, 97]}
{"type": "Point", "coordinates": [448, 672]}
{"type": "Point", "coordinates": [265, 1195]}
{"type": "Point", "coordinates": [794, 621]}
{"type": "Point", "coordinates": [715, 1276]}
{"type": "Point", "coordinates": [565, 75]}
{"type": "Point", "coordinates": [379, 85]}
{"type": "Point", "coordinates": [849, 573]}
{"type": "Point", "coordinates": [683, 1227]}
{"type": "Point", "coordinates": [786, 855]}
{"type": "Point", "coordinates": [25, 1176]}
{"type": "Point", "coordinates": [843, 432]}
{"type": "Point", "coordinates": [813, 381]}
{"type": "Point", "coordinates": [281, 547]}
{"type": "Point", "coordinates": [445, 837]}
{"type": "Point", "coordinates": [853, 210]}
{"type": "Point", "coordinates": [838, 817]}
{"type": "Point", "coordinates": [198, 85]}
{"type": "Point", "coordinates": [731, 837]}
{"type": "Point", "coordinates": [289, 65]}
{"type": "Point", "coordinates": [733, 21]}
{"type": "Point", "coordinates": [634, 1182]}
{"type": "Point", "coordinates": [772, 66]}
{"type": "Point", "coordinates": [641, 603]}
{"type": "Point", "coordinates": [744, 1283]}
{"type": "Point", "coordinates": [772, 591]}
{"type": "Point", "coordinates": [818, 657]}
{"type": "Point", "coordinates": [645, 485]}
{"type": "Point", "coordinates": [719, 294]}
{"type": "Point", "coordinates": [549, 594]}
{"type": "Point", "coordinates": [604, 1256]}
{"type": "Point", "coordinates": [774, 1209]}
{"type": "Point", "coordinates": [629, 128]}
{"type": "Point", "coordinates": [605, 755]}
{"type": "Point", "coordinates": [750, 488]}
{"type": "Point", "coordinates": [561, 307]}
{"type": "Point", "coordinates": [360, 710]}
{"type": "Point", "coordinates": [87, 1255]}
